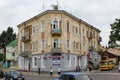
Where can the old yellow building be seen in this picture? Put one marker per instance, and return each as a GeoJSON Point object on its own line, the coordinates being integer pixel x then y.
{"type": "Point", "coordinates": [55, 38]}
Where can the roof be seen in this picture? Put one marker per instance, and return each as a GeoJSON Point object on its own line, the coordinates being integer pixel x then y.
{"type": "Point", "coordinates": [113, 51]}
{"type": "Point", "coordinates": [13, 43]}
{"type": "Point", "coordinates": [57, 11]}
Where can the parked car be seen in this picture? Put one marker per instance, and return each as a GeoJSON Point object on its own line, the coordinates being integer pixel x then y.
{"type": "Point", "coordinates": [73, 76]}
{"type": "Point", "coordinates": [14, 75]}
{"type": "Point", "coordinates": [1, 74]}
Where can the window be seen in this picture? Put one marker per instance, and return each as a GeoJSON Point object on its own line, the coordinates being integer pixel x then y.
{"type": "Point", "coordinates": [42, 62]}
{"type": "Point", "coordinates": [33, 46]}
{"type": "Point", "coordinates": [69, 61]}
{"type": "Point", "coordinates": [68, 27]}
{"type": "Point", "coordinates": [68, 44]}
{"type": "Point", "coordinates": [43, 27]}
{"type": "Point", "coordinates": [20, 48]}
{"type": "Point", "coordinates": [36, 29]}
{"type": "Point", "coordinates": [43, 42]}
{"type": "Point", "coordinates": [76, 30]}
{"type": "Point", "coordinates": [55, 43]}
{"type": "Point", "coordinates": [94, 44]}
{"type": "Point", "coordinates": [74, 45]}
{"type": "Point", "coordinates": [36, 45]}
{"type": "Point", "coordinates": [55, 25]}
{"type": "Point", "coordinates": [84, 47]}
{"type": "Point", "coordinates": [75, 60]}
{"type": "Point", "coordinates": [79, 30]}
{"type": "Point", "coordinates": [13, 54]}
{"type": "Point", "coordinates": [34, 61]}
{"type": "Point", "coordinates": [33, 30]}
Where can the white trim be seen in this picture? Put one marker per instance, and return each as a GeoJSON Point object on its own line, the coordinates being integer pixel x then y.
{"type": "Point", "coordinates": [42, 26]}
{"type": "Point", "coordinates": [69, 61]}
{"type": "Point", "coordinates": [42, 44]}
{"type": "Point", "coordinates": [42, 61]}
{"type": "Point", "coordinates": [33, 61]}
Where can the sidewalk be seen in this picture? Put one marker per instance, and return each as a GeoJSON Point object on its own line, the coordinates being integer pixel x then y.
{"type": "Point", "coordinates": [41, 74]}
{"type": "Point", "coordinates": [54, 74]}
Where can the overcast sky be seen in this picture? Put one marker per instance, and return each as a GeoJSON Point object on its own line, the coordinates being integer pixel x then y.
{"type": "Point", "coordinates": [99, 13]}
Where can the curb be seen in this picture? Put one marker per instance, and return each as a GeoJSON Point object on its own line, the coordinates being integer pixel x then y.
{"type": "Point", "coordinates": [46, 75]}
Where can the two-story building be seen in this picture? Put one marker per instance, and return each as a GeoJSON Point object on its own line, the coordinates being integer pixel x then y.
{"type": "Point", "coordinates": [11, 54]}
{"type": "Point", "coordinates": [55, 38]}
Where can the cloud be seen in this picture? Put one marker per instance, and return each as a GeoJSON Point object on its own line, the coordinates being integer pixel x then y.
{"type": "Point", "coordinates": [99, 13]}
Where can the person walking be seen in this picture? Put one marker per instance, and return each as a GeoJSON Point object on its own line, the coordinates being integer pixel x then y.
{"type": "Point", "coordinates": [59, 70]}
{"type": "Point", "coordinates": [39, 70]}
{"type": "Point", "coordinates": [51, 71]}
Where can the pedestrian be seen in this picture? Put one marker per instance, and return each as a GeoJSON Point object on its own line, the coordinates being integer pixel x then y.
{"type": "Point", "coordinates": [39, 71]}
{"type": "Point", "coordinates": [51, 71]}
{"type": "Point", "coordinates": [90, 67]}
{"type": "Point", "coordinates": [79, 69]}
{"type": "Point", "coordinates": [59, 70]}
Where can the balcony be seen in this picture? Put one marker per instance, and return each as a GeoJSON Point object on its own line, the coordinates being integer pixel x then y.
{"type": "Point", "coordinates": [25, 53]}
{"type": "Point", "coordinates": [56, 50]}
{"type": "Point", "coordinates": [26, 38]}
{"type": "Point", "coordinates": [56, 31]}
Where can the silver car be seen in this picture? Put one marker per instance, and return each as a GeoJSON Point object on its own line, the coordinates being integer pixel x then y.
{"type": "Point", "coordinates": [73, 76]}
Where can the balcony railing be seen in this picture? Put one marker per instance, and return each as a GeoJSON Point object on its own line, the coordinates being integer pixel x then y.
{"type": "Point", "coordinates": [56, 31]}
{"type": "Point", "coordinates": [25, 53]}
{"type": "Point", "coordinates": [26, 38]}
{"type": "Point", "coordinates": [56, 50]}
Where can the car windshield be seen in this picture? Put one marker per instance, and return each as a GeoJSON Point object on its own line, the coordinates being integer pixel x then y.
{"type": "Point", "coordinates": [103, 63]}
{"type": "Point", "coordinates": [82, 77]}
{"type": "Point", "coordinates": [15, 73]}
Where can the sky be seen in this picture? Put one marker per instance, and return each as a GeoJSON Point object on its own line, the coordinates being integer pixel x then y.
{"type": "Point", "coordinates": [99, 13]}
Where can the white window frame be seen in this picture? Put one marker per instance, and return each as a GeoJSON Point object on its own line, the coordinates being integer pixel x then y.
{"type": "Point", "coordinates": [57, 43]}
{"type": "Point", "coordinates": [42, 26]}
{"type": "Point", "coordinates": [33, 30]}
{"type": "Point", "coordinates": [75, 61]}
{"type": "Point", "coordinates": [36, 45]}
{"type": "Point", "coordinates": [42, 62]}
{"type": "Point", "coordinates": [42, 44]}
{"type": "Point", "coordinates": [35, 66]}
{"type": "Point", "coordinates": [69, 61]}
{"type": "Point", "coordinates": [33, 46]}
{"type": "Point", "coordinates": [36, 29]}
{"type": "Point", "coordinates": [56, 24]}
{"type": "Point", "coordinates": [68, 44]}
{"type": "Point", "coordinates": [74, 45]}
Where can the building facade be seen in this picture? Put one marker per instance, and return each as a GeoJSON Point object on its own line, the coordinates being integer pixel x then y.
{"type": "Point", "coordinates": [11, 54]}
{"type": "Point", "coordinates": [55, 38]}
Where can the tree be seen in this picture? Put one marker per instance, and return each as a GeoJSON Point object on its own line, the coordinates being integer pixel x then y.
{"type": "Point", "coordinates": [114, 34]}
{"type": "Point", "coordinates": [6, 37]}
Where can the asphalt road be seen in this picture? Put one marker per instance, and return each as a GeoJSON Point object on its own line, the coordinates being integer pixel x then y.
{"type": "Point", "coordinates": [99, 75]}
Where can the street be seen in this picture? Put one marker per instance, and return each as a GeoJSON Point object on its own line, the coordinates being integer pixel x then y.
{"type": "Point", "coordinates": [99, 75]}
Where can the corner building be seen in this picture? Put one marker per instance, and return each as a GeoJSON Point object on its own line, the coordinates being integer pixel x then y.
{"type": "Point", "coordinates": [55, 38]}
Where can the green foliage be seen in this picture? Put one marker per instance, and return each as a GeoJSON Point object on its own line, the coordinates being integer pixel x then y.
{"type": "Point", "coordinates": [5, 38]}
{"type": "Point", "coordinates": [114, 34]}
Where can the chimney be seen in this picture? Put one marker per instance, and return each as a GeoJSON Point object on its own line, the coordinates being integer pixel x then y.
{"type": "Point", "coordinates": [55, 7]}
